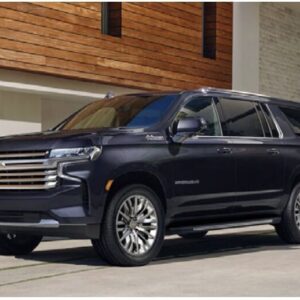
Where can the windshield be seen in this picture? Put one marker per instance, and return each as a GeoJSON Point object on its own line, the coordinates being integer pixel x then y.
{"type": "Point", "coordinates": [131, 111]}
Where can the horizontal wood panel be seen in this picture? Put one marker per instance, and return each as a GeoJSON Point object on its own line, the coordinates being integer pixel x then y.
{"type": "Point", "coordinates": [49, 31]}
{"type": "Point", "coordinates": [55, 38]}
{"type": "Point", "coordinates": [91, 61]}
{"type": "Point", "coordinates": [154, 14]}
{"type": "Point", "coordinates": [89, 5]}
{"type": "Point", "coordinates": [173, 12]}
{"type": "Point", "coordinates": [157, 50]}
{"type": "Point", "coordinates": [64, 26]}
{"type": "Point", "coordinates": [70, 9]}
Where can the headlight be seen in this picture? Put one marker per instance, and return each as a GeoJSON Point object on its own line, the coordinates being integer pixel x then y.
{"type": "Point", "coordinates": [91, 153]}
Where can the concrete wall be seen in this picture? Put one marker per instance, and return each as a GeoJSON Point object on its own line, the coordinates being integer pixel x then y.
{"type": "Point", "coordinates": [19, 113]}
{"type": "Point", "coordinates": [245, 47]}
{"type": "Point", "coordinates": [266, 49]}
{"type": "Point", "coordinates": [55, 111]}
{"type": "Point", "coordinates": [279, 59]}
{"type": "Point", "coordinates": [31, 102]}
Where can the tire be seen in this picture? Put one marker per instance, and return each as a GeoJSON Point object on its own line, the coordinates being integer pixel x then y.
{"type": "Point", "coordinates": [193, 235]}
{"type": "Point", "coordinates": [18, 244]}
{"type": "Point", "coordinates": [289, 227]}
{"type": "Point", "coordinates": [128, 236]}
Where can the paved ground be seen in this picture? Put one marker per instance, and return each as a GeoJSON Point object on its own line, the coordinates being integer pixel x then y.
{"type": "Point", "coordinates": [251, 262]}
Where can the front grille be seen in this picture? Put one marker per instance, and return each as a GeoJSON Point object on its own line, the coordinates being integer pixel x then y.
{"type": "Point", "coordinates": [27, 171]}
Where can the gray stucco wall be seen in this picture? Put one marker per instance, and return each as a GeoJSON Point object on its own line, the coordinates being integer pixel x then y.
{"type": "Point", "coordinates": [279, 51]}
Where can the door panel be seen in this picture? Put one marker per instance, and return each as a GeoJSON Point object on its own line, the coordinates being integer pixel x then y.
{"type": "Point", "coordinates": [204, 179]}
{"type": "Point", "coordinates": [204, 171]}
{"type": "Point", "coordinates": [256, 151]}
{"type": "Point", "coordinates": [260, 169]}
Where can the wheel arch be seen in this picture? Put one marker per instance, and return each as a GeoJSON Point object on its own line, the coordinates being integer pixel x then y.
{"type": "Point", "coordinates": [144, 177]}
{"type": "Point", "coordinates": [294, 179]}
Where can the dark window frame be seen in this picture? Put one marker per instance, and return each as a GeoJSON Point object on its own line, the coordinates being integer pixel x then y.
{"type": "Point", "coordinates": [209, 30]}
{"type": "Point", "coordinates": [111, 18]}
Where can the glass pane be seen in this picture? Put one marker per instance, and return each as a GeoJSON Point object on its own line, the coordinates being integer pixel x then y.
{"type": "Point", "coordinates": [240, 118]}
{"type": "Point", "coordinates": [202, 107]}
{"type": "Point", "coordinates": [264, 123]}
{"type": "Point", "coordinates": [132, 111]}
{"type": "Point", "coordinates": [293, 116]}
{"type": "Point", "coordinates": [270, 121]}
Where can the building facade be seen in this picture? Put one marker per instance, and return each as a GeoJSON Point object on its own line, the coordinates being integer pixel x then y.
{"type": "Point", "coordinates": [56, 57]}
{"type": "Point", "coordinates": [266, 48]}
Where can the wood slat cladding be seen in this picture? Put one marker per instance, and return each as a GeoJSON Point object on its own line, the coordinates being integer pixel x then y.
{"type": "Point", "coordinates": [160, 47]}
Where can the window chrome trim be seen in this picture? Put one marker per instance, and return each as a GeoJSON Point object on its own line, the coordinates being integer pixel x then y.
{"type": "Point", "coordinates": [280, 133]}
{"type": "Point", "coordinates": [189, 98]}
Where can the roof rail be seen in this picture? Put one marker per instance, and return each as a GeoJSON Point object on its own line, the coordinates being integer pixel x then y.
{"type": "Point", "coordinates": [227, 91]}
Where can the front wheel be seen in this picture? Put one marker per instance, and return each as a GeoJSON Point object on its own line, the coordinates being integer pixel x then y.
{"type": "Point", "coordinates": [289, 227]}
{"type": "Point", "coordinates": [18, 244]}
{"type": "Point", "coordinates": [133, 229]}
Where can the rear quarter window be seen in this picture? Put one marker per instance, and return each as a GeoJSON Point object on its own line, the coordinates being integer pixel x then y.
{"type": "Point", "coordinates": [293, 116]}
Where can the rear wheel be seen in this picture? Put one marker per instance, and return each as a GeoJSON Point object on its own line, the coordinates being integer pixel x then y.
{"type": "Point", "coordinates": [193, 235]}
{"type": "Point", "coordinates": [133, 229]}
{"type": "Point", "coordinates": [18, 244]}
{"type": "Point", "coordinates": [289, 227]}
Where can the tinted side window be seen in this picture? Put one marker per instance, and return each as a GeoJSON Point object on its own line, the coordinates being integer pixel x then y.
{"type": "Point", "coordinates": [293, 116]}
{"type": "Point", "coordinates": [270, 121]}
{"type": "Point", "coordinates": [202, 107]}
{"type": "Point", "coordinates": [240, 118]}
{"type": "Point", "coordinates": [263, 120]}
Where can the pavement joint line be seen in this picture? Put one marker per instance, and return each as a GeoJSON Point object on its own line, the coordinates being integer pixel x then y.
{"type": "Point", "coordinates": [156, 261]}
{"type": "Point", "coordinates": [51, 276]}
{"type": "Point", "coordinates": [43, 263]}
{"type": "Point", "coordinates": [84, 257]}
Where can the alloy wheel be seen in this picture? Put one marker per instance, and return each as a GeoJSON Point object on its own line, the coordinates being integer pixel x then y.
{"type": "Point", "coordinates": [136, 225]}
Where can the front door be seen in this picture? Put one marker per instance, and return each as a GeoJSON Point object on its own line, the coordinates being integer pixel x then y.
{"type": "Point", "coordinates": [204, 170]}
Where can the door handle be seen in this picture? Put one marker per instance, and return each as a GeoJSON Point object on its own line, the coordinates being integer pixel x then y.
{"type": "Point", "coordinates": [224, 150]}
{"type": "Point", "coordinates": [273, 151]}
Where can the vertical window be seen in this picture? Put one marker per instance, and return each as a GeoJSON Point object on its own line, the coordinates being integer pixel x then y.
{"type": "Point", "coordinates": [112, 18]}
{"type": "Point", "coordinates": [263, 120]}
{"type": "Point", "coordinates": [240, 119]}
{"type": "Point", "coordinates": [270, 121]}
{"type": "Point", "coordinates": [209, 29]}
{"type": "Point", "coordinates": [202, 107]}
{"type": "Point", "coordinates": [293, 116]}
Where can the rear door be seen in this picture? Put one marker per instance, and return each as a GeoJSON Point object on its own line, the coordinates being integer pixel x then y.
{"type": "Point", "coordinates": [256, 149]}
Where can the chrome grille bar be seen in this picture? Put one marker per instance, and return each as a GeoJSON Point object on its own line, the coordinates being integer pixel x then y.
{"type": "Point", "coordinates": [47, 185]}
{"type": "Point", "coordinates": [36, 179]}
{"type": "Point", "coordinates": [22, 155]}
{"type": "Point", "coordinates": [27, 171]}
{"type": "Point", "coordinates": [25, 174]}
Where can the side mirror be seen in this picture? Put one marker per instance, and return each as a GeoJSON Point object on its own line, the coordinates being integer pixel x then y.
{"type": "Point", "coordinates": [186, 127]}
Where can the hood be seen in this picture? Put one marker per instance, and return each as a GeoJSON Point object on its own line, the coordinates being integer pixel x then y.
{"type": "Point", "coordinates": [49, 140]}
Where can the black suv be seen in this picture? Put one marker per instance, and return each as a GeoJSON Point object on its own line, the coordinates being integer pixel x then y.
{"type": "Point", "coordinates": [125, 171]}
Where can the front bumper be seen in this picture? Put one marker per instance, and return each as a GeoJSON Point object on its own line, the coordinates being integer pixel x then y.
{"type": "Point", "coordinates": [66, 210]}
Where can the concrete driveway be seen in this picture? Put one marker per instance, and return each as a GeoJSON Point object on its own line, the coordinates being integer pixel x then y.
{"type": "Point", "coordinates": [247, 262]}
